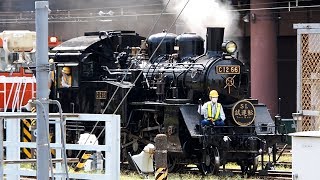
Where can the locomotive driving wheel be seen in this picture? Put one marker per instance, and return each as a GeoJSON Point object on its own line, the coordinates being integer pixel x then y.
{"type": "Point", "coordinates": [210, 162]}
{"type": "Point", "coordinates": [173, 164]}
{"type": "Point", "coordinates": [250, 167]}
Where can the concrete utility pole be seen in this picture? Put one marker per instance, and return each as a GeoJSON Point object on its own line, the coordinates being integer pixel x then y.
{"type": "Point", "coordinates": [42, 9]}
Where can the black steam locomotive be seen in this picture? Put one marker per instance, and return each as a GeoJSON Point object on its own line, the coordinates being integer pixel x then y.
{"type": "Point", "coordinates": [157, 84]}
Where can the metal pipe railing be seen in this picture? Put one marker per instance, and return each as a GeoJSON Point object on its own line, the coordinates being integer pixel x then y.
{"type": "Point", "coordinates": [62, 135]}
{"type": "Point", "coordinates": [1, 147]}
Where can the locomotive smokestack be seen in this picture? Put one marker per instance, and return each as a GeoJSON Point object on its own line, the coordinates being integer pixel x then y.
{"type": "Point", "coordinates": [214, 40]}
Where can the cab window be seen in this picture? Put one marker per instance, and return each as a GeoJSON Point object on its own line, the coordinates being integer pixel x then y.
{"type": "Point", "coordinates": [67, 76]}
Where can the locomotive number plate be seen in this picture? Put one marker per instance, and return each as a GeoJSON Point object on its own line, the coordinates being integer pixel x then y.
{"type": "Point", "coordinates": [101, 94]}
{"type": "Point", "coordinates": [228, 69]}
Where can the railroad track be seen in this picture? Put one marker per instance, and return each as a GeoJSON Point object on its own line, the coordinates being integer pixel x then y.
{"type": "Point", "coordinates": [284, 164]}
{"type": "Point", "coordinates": [276, 174]}
{"type": "Point", "coordinates": [271, 174]}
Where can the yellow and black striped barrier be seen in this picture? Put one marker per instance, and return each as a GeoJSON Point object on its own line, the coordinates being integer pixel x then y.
{"type": "Point", "coordinates": [27, 137]}
{"type": "Point", "coordinates": [161, 174]}
{"type": "Point", "coordinates": [32, 128]}
{"type": "Point", "coordinates": [82, 161]}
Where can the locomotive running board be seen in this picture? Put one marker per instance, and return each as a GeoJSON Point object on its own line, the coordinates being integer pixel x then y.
{"type": "Point", "coordinates": [192, 118]}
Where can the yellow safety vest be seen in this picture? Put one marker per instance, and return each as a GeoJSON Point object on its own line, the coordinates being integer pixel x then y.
{"type": "Point", "coordinates": [216, 116]}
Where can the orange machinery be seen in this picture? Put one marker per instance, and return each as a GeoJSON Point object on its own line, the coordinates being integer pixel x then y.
{"type": "Point", "coordinates": [17, 87]}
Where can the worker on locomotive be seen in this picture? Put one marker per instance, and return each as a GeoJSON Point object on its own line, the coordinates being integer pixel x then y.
{"type": "Point", "coordinates": [66, 77]}
{"type": "Point", "coordinates": [212, 111]}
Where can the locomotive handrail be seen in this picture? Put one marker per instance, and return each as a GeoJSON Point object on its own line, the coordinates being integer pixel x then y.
{"type": "Point", "coordinates": [174, 70]}
{"type": "Point", "coordinates": [173, 65]}
{"type": "Point", "coordinates": [65, 54]}
{"type": "Point", "coordinates": [158, 103]}
{"type": "Point", "coordinates": [116, 71]}
{"type": "Point", "coordinates": [184, 63]}
{"type": "Point", "coordinates": [122, 71]}
{"type": "Point", "coordinates": [68, 64]}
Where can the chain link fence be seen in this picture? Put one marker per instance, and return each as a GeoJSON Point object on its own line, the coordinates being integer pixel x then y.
{"type": "Point", "coordinates": [308, 75]}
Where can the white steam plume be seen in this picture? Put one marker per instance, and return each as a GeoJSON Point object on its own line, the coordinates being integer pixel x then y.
{"type": "Point", "coordinates": [200, 14]}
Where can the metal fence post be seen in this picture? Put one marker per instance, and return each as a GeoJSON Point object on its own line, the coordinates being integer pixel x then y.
{"type": "Point", "coordinates": [1, 148]}
{"type": "Point", "coordinates": [161, 157]}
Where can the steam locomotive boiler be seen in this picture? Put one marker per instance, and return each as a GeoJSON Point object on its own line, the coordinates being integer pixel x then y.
{"type": "Point", "coordinates": [156, 85]}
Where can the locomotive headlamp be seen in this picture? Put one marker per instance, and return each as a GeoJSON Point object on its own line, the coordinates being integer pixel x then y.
{"type": "Point", "coordinates": [229, 47]}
